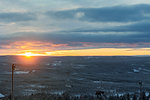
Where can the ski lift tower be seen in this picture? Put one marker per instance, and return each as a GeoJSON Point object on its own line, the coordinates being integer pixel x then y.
{"type": "Point", "coordinates": [140, 83]}
{"type": "Point", "coordinates": [12, 82]}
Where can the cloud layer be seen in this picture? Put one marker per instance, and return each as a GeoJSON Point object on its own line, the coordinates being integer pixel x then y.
{"type": "Point", "coordinates": [80, 26]}
{"type": "Point", "coordinates": [106, 14]}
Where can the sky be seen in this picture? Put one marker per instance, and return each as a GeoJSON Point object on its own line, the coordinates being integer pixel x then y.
{"type": "Point", "coordinates": [75, 27]}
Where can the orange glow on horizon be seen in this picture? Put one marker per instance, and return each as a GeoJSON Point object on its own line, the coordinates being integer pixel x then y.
{"type": "Point", "coordinates": [84, 52]}
{"type": "Point", "coordinates": [29, 49]}
{"type": "Point", "coordinates": [102, 52]}
{"type": "Point", "coordinates": [92, 52]}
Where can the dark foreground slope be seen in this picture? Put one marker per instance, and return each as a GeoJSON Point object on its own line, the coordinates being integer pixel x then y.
{"type": "Point", "coordinates": [66, 96]}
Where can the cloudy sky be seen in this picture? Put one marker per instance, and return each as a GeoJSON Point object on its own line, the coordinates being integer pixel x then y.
{"type": "Point", "coordinates": [75, 27]}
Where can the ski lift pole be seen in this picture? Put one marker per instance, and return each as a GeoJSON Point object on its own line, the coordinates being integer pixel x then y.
{"type": "Point", "coordinates": [140, 83]}
{"type": "Point", "coordinates": [12, 82]}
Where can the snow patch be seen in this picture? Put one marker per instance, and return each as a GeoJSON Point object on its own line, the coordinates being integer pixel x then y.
{"type": "Point", "coordinates": [68, 86]}
{"type": "Point", "coordinates": [21, 72]}
{"type": "Point", "coordinates": [1, 95]}
{"type": "Point", "coordinates": [97, 82]}
{"type": "Point", "coordinates": [36, 86]}
{"type": "Point", "coordinates": [57, 92]}
{"type": "Point", "coordinates": [57, 63]}
{"type": "Point", "coordinates": [136, 70]}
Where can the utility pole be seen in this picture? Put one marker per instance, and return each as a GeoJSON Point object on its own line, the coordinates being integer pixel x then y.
{"type": "Point", "coordinates": [140, 83]}
{"type": "Point", "coordinates": [12, 82]}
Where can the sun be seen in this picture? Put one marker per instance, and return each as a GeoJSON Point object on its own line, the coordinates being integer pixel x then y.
{"type": "Point", "coordinates": [28, 54]}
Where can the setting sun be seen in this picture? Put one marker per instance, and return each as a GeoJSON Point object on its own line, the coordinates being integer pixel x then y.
{"type": "Point", "coordinates": [28, 54]}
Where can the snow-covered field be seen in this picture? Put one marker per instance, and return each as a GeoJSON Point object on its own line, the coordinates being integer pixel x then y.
{"type": "Point", "coordinates": [76, 75]}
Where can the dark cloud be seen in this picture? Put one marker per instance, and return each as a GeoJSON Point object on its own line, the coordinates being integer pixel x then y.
{"type": "Point", "coordinates": [15, 17]}
{"type": "Point", "coordinates": [106, 14]}
{"type": "Point", "coordinates": [80, 39]}
{"type": "Point", "coordinates": [69, 38]}
{"type": "Point", "coordinates": [139, 27]}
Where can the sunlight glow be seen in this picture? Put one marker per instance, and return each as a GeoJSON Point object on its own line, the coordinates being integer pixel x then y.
{"type": "Point", "coordinates": [91, 52]}
{"type": "Point", "coordinates": [30, 54]}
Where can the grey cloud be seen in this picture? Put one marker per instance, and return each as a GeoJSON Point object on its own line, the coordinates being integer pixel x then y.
{"type": "Point", "coordinates": [61, 38]}
{"type": "Point", "coordinates": [76, 40]}
{"type": "Point", "coordinates": [106, 14]}
{"type": "Point", "coordinates": [140, 27]}
{"type": "Point", "coordinates": [16, 17]}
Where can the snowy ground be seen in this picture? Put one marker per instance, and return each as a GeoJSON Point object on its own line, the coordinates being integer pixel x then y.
{"type": "Point", "coordinates": [76, 75]}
